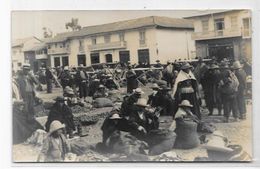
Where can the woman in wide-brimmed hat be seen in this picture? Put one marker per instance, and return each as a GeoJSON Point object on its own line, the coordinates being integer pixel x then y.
{"type": "Point", "coordinates": [55, 146]}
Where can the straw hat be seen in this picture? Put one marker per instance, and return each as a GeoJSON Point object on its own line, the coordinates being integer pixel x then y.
{"type": "Point", "coordinates": [141, 102]}
{"type": "Point", "coordinates": [236, 65]}
{"type": "Point", "coordinates": [217, 143]}
{"type": "Point", "coordinates": [186, 66]}
{"type": "Point", "coordinates": [101, 86]}
{"type": "Point", "coordinates": [115, 116]}
{"type": "Point", "coordinates": [55, 125]}
{"type": "Point", "coordinates": [26, 66]}
{"type": "Point", "coordinates": [66, 68]}
{"type": "Point", "coordinates": [186, 103]}
{"type": "Point", "coordinates": [81, 66]}
{"type": "Point", "coordinates": [138, 91]}
{"type": "Point", "coordinates": [68, 90]}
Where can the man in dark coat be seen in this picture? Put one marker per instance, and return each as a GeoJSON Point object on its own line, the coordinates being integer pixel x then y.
{"type": "Point", "coordinates": [211, 91]}
{"type": "Point", "coordinates": [26, 82]}
{"type": "Point", "coordinates": [241, 76]}
{"type": "Point", "coordinates": [131, 80]}
{"type": "Point", "coordinates": [49, 78]}
{"type": "Point", "coordinates": [61, 112]}
{"type": "Point", "coordinates": [82, 79]}
{"type": "Point", "coordinates": [168, 74]}
{"type": "Point", "coordinates": [66, 78]}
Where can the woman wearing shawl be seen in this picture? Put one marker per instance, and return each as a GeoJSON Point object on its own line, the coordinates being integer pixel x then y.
{"type": "Point", "coordinates": [186, 88]}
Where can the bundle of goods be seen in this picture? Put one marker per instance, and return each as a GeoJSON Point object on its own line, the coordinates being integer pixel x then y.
{"type": "Point", "coordinates": [92, 156]}
{"type": "Point", "coordinates": [160, 141]}
{"type": "Point", "coordinates": [167, 156]}
{"type": "Point", "coordinates": [91, 117]}
{"type": "Point", "coordinates": [102, 102]}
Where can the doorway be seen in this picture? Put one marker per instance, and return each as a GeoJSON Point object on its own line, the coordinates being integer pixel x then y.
{"type": "Point", "coordinates": [109, 58]}
{"type": "Point", "coordinates": [143, 56]}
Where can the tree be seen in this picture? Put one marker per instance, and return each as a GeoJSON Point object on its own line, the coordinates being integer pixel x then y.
{"type": "Point", "coordinates": [74, 25]}
{"type": "Point", "coordinates": [47, 33]}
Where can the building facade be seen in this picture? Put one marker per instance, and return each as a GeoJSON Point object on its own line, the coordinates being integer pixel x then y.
{"type": "Point", "coordinates": [139, 40]}
{"type": "Point", "coordinates": [223, 34]}
{"type": "Point", "coordinates": [19, 48]}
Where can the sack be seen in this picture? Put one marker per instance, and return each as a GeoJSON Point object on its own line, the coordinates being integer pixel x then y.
{"type": "Point", "coordinates": [102, 102]}
{"type": "Point", "coordinates": [165, 142]}
{"type": "Point", "coordinates": [206, 127]}
{"type": "Point", "coordinates": [187, 136]}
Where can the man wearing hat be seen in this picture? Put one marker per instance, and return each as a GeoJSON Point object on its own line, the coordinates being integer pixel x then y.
{"type": "Point", "coordinates": [211, 89]}
{"type": "Point", "coordinates": [200, 70]}
{"type": "Point", "coordinates": [128, 104]}
{"type": "Point", "coordinates": [55, 146]}
{"type": "Point", "coordinates": [49, 78]}
{"type": "Point", "coordinates": [101, 92]}
{"type": "Point", "coordinates": [168, 73]}
{"type": "Point", "coordinates": [131, 80]}
{"type": "Point", "coordinates": [63, 113]}
{"type": "Point", "coordinates": [186, 88]}
{"type": "Point", "coordinates": [82, 80]}
{"type": "Point", "coordinates": [241, 76]}
{"type": "Point", "coordinates": [141, 121]}
{"type": "Point", "coordinates": [66, 77]}
{"type": "Point", "coordinates": [27, 82]}
{"type": "Point", "coordinates": [158, 71]}
{"type": "Point", "coordinates": [152, 99]}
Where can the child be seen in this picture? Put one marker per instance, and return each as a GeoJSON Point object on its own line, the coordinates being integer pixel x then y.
{"type": "Point", "coordinates": [55, 146]}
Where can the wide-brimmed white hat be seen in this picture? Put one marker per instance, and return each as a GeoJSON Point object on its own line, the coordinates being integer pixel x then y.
{"type": "Point", "coordinates": [186, 103]}
{"type": "Point", "coordinates": [186, 66]}
{"type": "Point", "coordinates": [138, 91]}
{"type": "Point", "coordinates": [236, 65]}
{"type": "Point", "coordinates": [115, 116]}
{"type": "Point", "coordinates": [141, 102]}
{"type": "Point", "coordinates": [26, 66]}
{"type": "Point", "coordinates": [155, 86]}
{"type": "Point", "coordinates": [217, 143]}
{"type": "Point", "coordinates": [66, 68]}
{"type": "Point", "coordinates": [55, 125]}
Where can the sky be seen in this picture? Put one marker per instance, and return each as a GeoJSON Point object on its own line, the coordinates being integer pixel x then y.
{"type": "Point", "coordinates": [30, 23]}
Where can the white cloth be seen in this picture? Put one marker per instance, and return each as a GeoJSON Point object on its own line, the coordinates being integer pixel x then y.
{"type": "Point", "coordinates": [182, 76]}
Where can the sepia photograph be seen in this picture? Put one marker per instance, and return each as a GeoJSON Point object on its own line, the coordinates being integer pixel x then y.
{"type": "Point", "coordinates": [113, 86]}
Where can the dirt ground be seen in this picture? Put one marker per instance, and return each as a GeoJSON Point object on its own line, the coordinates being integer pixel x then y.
{"type": "Point", "coordinates": [237, 133]}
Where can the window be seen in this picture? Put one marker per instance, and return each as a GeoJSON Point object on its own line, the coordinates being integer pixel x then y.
{"type": "Point", "coordinates": [124, 56]}
{"type": "Point", "coordinates": [56, 61]}
{"type": "Point", "coordinates": [233, 20]}
{"type": "Point", "coordinates": [246, 27]}
{"type": "Point", "coordinates": [142, 37]}
{"type": "Point", "coordinates": [121, 36]}
{"type": "Point", "coordinates": [219, 24]}
{"type": "Point", "coordinates": [109, 58]}
{"type": "Point", "coordinates": [94, 57]}
{"type": "Point", "coordinates": [107, 38]}
{"type": "Point", "coordinates": [205, 25]}
{"type": "Point", "coordinates": [65, 61]}
{"type": "Point", "coordinates": [94, 41]}
{"type": "Point", "coordinates": [82, 59]}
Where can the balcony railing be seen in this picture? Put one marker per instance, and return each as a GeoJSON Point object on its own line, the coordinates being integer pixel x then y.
{"type": "Point", "coordinates": [216, 34]}
{"type": "Point", "coordinates": [41, 56]}
{"type": "Point", "coordinates": [59, 50]}
{"type": "Point", "coordinates": [106, 46]}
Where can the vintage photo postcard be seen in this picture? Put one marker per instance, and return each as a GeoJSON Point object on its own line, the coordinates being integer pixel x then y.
{"type": "Point", "coordinates": [123, 86]}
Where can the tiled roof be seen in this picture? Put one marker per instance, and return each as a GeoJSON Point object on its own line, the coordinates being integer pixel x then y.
{"type": "Point", "coordinates": [126, 25]}
{"type": "Point", "coordinates": [36, 46]}
{"type": "Point", "coordinates": [207, 12]}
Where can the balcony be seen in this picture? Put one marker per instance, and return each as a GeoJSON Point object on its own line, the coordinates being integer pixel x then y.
{"type": "Point", "coordinates": [225, 33]}
{"type": "Point", "coordinates": [107, 46]}
{"type": "Point", "coordinates": [59, 50]}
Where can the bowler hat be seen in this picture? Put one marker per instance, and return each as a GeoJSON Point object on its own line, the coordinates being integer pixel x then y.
{"type": "Point", "coordinates": [186, 103]}
{"type": "Point", "coordinates": [26, 66]}
{"type": "Point", "coordinates": [186, 66]}
{"type": "Point", "coordinates": [101, 86]}
{"type": "Point", "coordinates": [141, 102]}
{"type": "Point", "coordinates": [115, 116]}
{"type": "Point", "coordinates": [55, 125]}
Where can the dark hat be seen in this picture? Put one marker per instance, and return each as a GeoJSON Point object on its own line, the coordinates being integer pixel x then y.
{"type": "Point", "coordinates": [59, 99]}
{"type": "Point", "coordinates": [26, 66]}
{"type": "Point", "coordinates": [224, 66]}
{"type": "Point", "coordinates": [186, 66]}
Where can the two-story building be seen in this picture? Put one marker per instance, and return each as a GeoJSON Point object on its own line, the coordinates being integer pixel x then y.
{"type": "Point", "coordinates": [223, 34]}
{"type": "Point", "coordinates": [19, 46]}
{"type": "Point", "coordinates": [138, 40]}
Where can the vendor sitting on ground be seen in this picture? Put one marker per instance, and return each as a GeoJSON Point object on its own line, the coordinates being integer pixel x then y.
{"type": "Point", "coordinates": [55, 146]}
{"type": "Point", "coordinates": [128, 104]}
{"type": "Point", "coordinates": [110, 124]}
{"type": "Point", "coordinates": [141, 121]}
{"type": "Point", "coordinates": [61, 112]}
{"type": "Point", "coordinates": [101, 92]}
{"type": "Point", "coordinates": [70, 97]}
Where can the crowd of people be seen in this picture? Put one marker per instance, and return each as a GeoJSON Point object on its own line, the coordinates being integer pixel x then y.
{"type": "Point", "coordinates": [179, 90]}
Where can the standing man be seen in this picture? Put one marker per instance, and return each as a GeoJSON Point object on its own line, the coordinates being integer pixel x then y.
{"type": "Point", "coordinates": [158, 72]}
{"type": "Point", "coordinates": [82, 79]}
{"type": "Point", "coordinates": [186, 88]}
{"type": "Point", "coordinates": [168, 73]}
{"type": "Point", "coordinates": [26, 82]}
{"type": "Point", "coordinates": [241, 76]}
{"type": "Point", "coordinates": [131, 80]}
{"type": "Point", "coordinates": [49, 78]}
{"type": "Point", "coordinates": [66, 78]}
